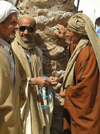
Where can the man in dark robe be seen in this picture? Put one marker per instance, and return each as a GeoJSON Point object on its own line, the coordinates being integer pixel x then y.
{"type": "Point", "coordinates": [81, 83]}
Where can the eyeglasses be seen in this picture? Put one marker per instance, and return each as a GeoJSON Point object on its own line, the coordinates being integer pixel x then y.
{"type": "Point", "coordinates": [29, 29]}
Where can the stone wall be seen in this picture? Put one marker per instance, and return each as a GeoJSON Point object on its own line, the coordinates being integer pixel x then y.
{"type": "Point", "coordinates": [49, 13]}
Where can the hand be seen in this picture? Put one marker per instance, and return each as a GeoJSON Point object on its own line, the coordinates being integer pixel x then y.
{"type": "Point", "coordinates": [41, 81]}
{"type": "Point", "coordinates": [62, 92]}
{"type": "Point", "coordinates": [54, 80]}
{"type": "Point", "coordinates": [62, 32]}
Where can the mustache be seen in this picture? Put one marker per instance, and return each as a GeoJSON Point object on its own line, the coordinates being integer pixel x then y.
{"type": "Point", "coordinates": [26, 35]}
{"type": "Point", "coordinates": [70, 39]}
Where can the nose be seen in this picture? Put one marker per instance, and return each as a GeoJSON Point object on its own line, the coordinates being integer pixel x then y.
{"type": "Point", "coordinates": [26, 31]}
{"type": "Point", "coordinates": [67, 33]}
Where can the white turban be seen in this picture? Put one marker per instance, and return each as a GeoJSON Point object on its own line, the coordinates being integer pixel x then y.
{"type": "Point", "coordinates": [6, 9]}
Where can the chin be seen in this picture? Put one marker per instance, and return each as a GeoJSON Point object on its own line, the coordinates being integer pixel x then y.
{"type": "Point", "coordinates": [68, 42]}
{"type": "Point", "coordinates": [12, 36]}
{"type": "Point", "coordinates": [25, 40]}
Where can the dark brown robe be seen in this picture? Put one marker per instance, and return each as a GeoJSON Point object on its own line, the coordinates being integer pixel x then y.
{"type": "Point", "coordinates": [82, 101]}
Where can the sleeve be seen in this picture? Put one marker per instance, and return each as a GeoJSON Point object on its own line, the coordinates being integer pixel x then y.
{"type": "Point", "coordinates": [7, 115]}
{"type": "Point", "coordinates": [23, 77]}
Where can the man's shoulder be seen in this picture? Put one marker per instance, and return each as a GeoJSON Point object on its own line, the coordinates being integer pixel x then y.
{"type": "Point", "coordinates": [3, 60]}
{"type": "Point", "coordinates": [86, 50]}
{"type": "Point", "coordinates": [2, 54]}
{"type": "Point", "coordinates": [85, 53]}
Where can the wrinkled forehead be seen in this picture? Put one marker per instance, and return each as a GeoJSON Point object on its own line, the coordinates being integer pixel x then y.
{"type": "Point", "coordinates": [26, 21]}
{"type": "Point", "coordinates": [12, 18]}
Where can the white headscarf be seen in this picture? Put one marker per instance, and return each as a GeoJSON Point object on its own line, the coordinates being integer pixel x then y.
{"type": "Point", "coordinates": [6, 9]}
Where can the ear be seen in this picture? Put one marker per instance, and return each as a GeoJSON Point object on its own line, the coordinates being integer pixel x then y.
{"type": "Point", "coordinates": [17, 26]}
{"type": "Point", "coordinates": [35, 29]}
{"type": "Point", "coordinates": [80, 36]}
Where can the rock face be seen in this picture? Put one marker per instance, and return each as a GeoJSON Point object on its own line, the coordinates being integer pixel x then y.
{"type": "Point", "coordinates": [49, 13]}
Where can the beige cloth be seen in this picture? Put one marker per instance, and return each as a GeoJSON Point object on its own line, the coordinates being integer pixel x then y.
{"type": "Point", "coordinates": [81, 24]}
{"type": "Point", "coordinates": [36, 114]}
{"type": "Point", "coordinates": [9, 96]}
{"type": "Point", "coordinates": [69, 73]}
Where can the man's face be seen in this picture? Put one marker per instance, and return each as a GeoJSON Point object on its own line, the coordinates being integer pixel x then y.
{"type": "Point", "coordinates": [71, 37]}
{"type": "Point", "coordinates": [26, 29]}
{"type": "Point", "coordinates": [8, 27]}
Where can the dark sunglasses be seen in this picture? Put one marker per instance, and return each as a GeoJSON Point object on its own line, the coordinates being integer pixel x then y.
{"type": "Point", "coordinates": [29, 29]}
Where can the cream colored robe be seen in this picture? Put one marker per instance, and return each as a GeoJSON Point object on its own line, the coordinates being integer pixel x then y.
{"type": "Point", "coordinates": [10, 122]}
{"type": "Point", "coordinates": [35, 100]}
{"type": "Point", "coordinates": [37, 121]}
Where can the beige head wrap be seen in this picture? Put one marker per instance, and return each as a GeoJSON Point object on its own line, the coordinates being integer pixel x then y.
{"type": "Point", "coordinates": [81, 24]}
{"type": "Point", "coordinates": [6, 9]}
